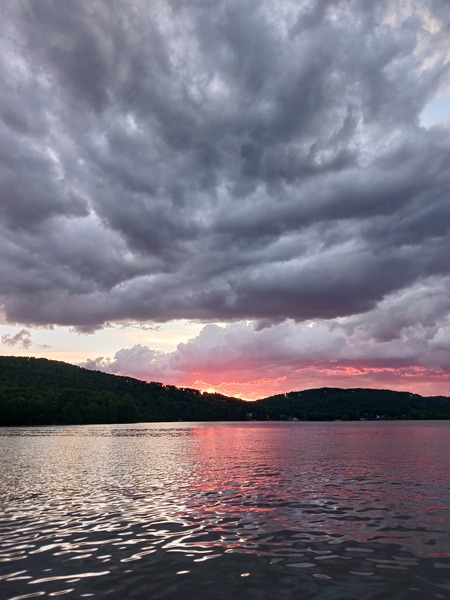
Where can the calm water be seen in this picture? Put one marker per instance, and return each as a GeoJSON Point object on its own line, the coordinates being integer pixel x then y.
{"type": "Point", "coordinates": [229, 510]}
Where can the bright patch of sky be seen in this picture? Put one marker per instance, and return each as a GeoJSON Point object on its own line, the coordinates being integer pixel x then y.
{"type": "Point", "coordinates": [437, 112]}
{"type": "Point", "coordinates": [69, 345]}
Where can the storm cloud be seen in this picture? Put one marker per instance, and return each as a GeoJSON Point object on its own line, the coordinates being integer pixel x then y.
{"type": "Point", "coordinates": [224, 161]}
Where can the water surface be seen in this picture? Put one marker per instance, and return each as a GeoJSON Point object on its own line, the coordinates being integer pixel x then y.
{"type": "Point", "coordinates": [336, 511]}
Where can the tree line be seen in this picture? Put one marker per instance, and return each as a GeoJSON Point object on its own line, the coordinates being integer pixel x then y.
{"type": "Point", "coordinates": [45, 392]}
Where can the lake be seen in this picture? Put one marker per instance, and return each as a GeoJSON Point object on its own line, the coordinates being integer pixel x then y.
{"type": "Point", "coordinates": [329, 511]}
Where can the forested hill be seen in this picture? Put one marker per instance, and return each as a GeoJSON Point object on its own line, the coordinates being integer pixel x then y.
{"type": "Point", "coordinates": [35, 391]}
{"type": "Point", "coordinates": [329, 404]}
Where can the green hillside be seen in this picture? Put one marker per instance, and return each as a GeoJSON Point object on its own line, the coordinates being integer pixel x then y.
{"type": "Point", "coordinates": [37, 391]}
{"type": "Point", "coordinates": [353, 404]}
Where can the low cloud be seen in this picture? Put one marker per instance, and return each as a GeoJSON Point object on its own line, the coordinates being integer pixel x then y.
{"type": "Point", "coordinates": [21, 340]}
{"type": "Point", "coordinates": [242, 359]}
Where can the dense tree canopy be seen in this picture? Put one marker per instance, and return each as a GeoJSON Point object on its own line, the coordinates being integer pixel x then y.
{"type": "Point", "coordinates": [44, 392]}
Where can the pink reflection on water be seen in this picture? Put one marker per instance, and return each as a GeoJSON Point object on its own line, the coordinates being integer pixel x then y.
{"type": "Point", "coordinates": [332, 481]}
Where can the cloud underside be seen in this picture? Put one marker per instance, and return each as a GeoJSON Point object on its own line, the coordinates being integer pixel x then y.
{"type": "Point", "coordinates": [238, 359]}
{"type": "Point", "coordinates": [225, 161]}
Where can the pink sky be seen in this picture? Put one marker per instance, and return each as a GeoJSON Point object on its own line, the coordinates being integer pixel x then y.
{"type": "Point", "coordinates": [239, 359]}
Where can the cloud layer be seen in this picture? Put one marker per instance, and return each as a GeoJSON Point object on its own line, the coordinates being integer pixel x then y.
{"type": "Point", "coordinates": [238, 359]}
{"type": "Point", "coordinates": [225, 161]}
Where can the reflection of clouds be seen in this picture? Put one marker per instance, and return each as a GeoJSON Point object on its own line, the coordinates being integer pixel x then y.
{"type": "Point", "coordinates": [146, 502]}
{"type": "Point", "coordinates": [317, 487]}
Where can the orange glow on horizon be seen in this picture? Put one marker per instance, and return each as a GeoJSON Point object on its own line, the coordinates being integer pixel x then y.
{"type": "Point", "coordinates": [414, 379]}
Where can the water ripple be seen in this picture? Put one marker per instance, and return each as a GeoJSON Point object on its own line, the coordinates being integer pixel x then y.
{"type": "Point", "coordinates": [211, 511]}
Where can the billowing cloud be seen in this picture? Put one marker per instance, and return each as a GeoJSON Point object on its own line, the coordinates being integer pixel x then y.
{"type": "Point", "coordinates": [219, 161]}
{"type": "Point", "coordinates": [245, 360]}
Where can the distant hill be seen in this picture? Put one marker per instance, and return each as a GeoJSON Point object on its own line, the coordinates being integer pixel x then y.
{"type": "Point", "coordinates": [37, 391]}
{"type": "Point", "coordinates": [328, 404]}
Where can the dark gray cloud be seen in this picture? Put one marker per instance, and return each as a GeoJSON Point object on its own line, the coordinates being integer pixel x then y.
{"type": "Point", "coordinates": [223, 160]}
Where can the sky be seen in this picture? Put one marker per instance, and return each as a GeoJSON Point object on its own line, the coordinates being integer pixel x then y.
{"type": "Point", "coordinates": [247, 196]}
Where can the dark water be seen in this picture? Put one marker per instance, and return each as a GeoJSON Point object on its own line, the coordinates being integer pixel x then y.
{"type": "Point", "coordinates": [334, 511]}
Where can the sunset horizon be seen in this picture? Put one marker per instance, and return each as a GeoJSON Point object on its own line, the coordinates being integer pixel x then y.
{"type": "Point", "coordinates": [245, 204]}
{"type": "Point", "coordinates": [410, 380]}
{"type": "Point", "coordinates": [247, 197]}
